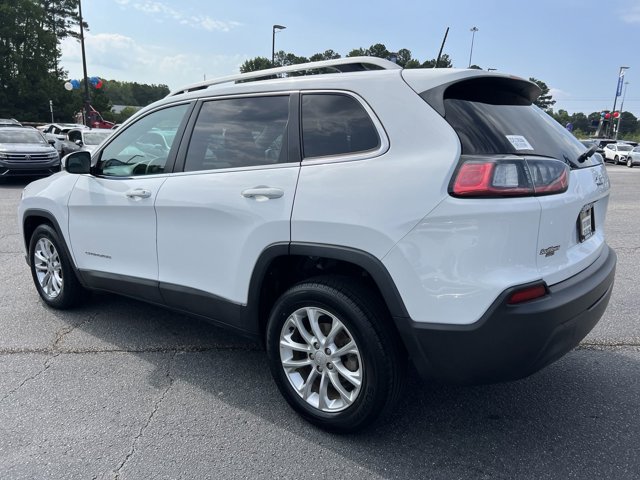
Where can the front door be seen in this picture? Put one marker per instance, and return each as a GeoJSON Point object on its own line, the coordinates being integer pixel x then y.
{"type": "Point", "coordinates": [112, 220]}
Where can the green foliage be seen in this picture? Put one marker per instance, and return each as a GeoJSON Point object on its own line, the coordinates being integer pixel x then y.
{"type": "Point", "coordinates": [254, 64]}
{"type": "Point", "coordinates": [133, 93]}
{"type": "Point", "coordinates": [445, 62]}
{"type": "Point", "coordinates": [326, 55]}
{"type": "Point", "coordinates": [545, 100]}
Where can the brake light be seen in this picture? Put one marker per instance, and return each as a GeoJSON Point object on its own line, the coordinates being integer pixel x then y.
{"type": "Point", "coordinates": [509, 177]}
{"type": "Point", "coordinates": [527, 293]}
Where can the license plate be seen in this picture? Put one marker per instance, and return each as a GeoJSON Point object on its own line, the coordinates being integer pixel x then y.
{"type": "Point", "coordinates": [586, 223]}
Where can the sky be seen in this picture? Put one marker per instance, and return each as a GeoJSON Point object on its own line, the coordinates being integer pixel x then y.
{"type": "Point", "coordinates": [575, 46]}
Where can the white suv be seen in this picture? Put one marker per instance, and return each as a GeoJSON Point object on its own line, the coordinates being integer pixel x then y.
{"type": "Point", "coordinates": [617, 152]}
{"type": "Point", "coordinates": [351, 215]}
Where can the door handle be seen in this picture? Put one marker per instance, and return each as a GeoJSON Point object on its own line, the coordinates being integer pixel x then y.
{"type": "Point", "coordinates": [262, 193]}
{"type": "Point", "coordinates": [138, 193]}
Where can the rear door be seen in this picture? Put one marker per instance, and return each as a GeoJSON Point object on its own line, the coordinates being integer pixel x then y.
{"type": "Point", "coordinates": [233, 200]}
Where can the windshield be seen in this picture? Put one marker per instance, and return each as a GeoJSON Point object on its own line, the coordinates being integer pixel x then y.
{"type": "Point", "coordinates": [94, 138]}
{"type": "Point", "coordinates": [23, 136]}
{"type": "Point", "coordinates": [625, 148]}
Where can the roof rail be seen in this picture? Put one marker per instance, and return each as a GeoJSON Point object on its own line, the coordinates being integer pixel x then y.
{"type": "Point", "coordinates": [348, 64]}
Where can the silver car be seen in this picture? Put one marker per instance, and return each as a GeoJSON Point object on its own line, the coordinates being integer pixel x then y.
{"type": "Point", "coordinates": [25, 152]}
{"type": "Point", "coordinates": [633, 157]}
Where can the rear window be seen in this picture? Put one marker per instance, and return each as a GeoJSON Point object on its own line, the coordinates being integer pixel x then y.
{"type": "Point", "coordinates": [493, 121]}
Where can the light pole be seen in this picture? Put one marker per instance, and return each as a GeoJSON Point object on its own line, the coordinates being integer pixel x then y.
{"type": "Point", "coordinates": [615, 99]}
{"type": "Point", "coordinates": [273, 41]}
{"type": "Point", "coordinates": [624, 94]}
{"type": "Point", "coordinates": [87, 99]}
{"type": "Point", "coordinates": [473, 35]}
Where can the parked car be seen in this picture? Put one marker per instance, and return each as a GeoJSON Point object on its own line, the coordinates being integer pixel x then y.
{"type": "Point", "coordinates": [58, 132]}
{"type": "Point", "coordinates": [9, 122]}
{"type": "Point", "coordinates": [350, 221]}
{"type": "Point", "coordinates": [84, 139]}
{"type": "Point", "coordinates": [617, 152]}
{"type": "Point", "coordinates": [25, 152]}
{"type": "Point", "coordinates": [634, 157]}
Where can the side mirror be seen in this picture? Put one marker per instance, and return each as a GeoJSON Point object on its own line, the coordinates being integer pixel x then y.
{"type": "Point", "coordinates": [77, 162]}
{"type": "Point", "coordinates": [51, 142]}
{"type": "Point", "coordinates": [78, 142]}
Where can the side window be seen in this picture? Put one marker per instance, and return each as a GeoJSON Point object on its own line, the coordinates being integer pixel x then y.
{"type": "Point", "coordinates": [143, 148]}
{"type": "Point", "coordinates": [335, 124]}
{"type": "Point", "coordinates": [239, 132]}
{"type": "Point", "coordinates": [74, 136]}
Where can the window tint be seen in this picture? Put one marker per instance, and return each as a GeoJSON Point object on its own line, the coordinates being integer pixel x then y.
{"type": "Point", "coordinates": [239, 132]}
{"type": "Point", "coordinates": [493, 128]}
{"type": "Point", "coordinates": [335, 124]}
{"type": "Point", "coordinates": [143, 148]}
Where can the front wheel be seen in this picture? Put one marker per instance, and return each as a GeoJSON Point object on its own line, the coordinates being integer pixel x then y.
{"type": "Point", "coordinates": [334, 354]}
{"type": "Point", "coordinates": [629, 162]}
{"type": "Point", "coordinates": [51, 269]}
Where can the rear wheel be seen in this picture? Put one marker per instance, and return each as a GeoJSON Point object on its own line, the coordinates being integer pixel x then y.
{"type": "Point", "coordinates": [334, 354]}
{"type": "Point", "coordinates": [51, 269]}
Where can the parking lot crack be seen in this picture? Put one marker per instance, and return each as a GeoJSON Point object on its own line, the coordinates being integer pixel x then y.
{"type": "Point", "coordinates": [45, 367]}
{"type": "Point", "coordinates": [61, 334]}
{"type": "Point", "coordinates": [156, 406]}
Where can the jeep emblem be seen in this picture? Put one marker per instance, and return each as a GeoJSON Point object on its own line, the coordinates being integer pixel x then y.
{"type": "Point", "coordinates": [549, 251]}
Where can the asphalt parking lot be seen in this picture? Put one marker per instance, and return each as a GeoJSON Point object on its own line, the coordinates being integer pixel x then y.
{"type": "Point", "coordinates": [121, 389]}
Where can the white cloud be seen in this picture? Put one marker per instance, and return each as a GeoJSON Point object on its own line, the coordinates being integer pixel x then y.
{"type": "Point", "coordinates": [161, 11]}
{"type": "Point", "coordinates": [118, 57]}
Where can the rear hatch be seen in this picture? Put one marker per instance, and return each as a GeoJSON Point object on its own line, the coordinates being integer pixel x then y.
{"type": "Point", "coordinates": [496, 122]}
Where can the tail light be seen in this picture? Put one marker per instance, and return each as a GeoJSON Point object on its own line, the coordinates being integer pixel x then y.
{"type": "Point", "coordinates": [515, 177]}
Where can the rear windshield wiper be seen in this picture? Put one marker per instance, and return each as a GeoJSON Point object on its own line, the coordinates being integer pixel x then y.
{"type": "Point", "coordinates": [583, 156]}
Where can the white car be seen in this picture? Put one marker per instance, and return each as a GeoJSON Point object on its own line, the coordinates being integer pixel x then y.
{"type": "Point", "coordinates": [633, 158]}
{"type": "Point", "coordinates": [617, 152]}
{"type": "Point", "coordinates": [57, 132]}
{"type": "Point", "coordinates": [84, 138]}
{"type": "Point", "coordinates": [351, 220]}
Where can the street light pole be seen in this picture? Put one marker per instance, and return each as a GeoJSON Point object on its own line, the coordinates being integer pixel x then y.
{"type": "Point", "coordinates": [87, 99]}
{"type": "Point", "coordinates": [624, 94]}
{"type": "Point", "coordinates": [615, 99]}
{"type": "Point", "coordinates": [273, 41]}
{"type": "Point", "coordinates": [473, 35]}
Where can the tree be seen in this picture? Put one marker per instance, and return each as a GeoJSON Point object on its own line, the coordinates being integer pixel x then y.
{"type": "Point", "coordinates": [545, 100]}
{"type": "Point", "coordinates": [378, 50]}
{"type": "Point", "coordinates": [357, 52]}
{"type": "Point", "coordinates": [30, 34]}
{"type": "Point", "coordinates": [284, 59]}
{"type": "Point", "coordinates": [445, 62]}
{"type": "Point", "coordinates": [326, 55]}
{"type": "Point", "coordinates": [254, 64]}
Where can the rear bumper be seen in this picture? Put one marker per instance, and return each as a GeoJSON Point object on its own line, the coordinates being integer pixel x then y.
{"type": "Point", "coordinates": [513, 341]}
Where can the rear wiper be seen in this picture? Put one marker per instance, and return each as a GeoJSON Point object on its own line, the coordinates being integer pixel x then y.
{"type": "Point", "coordinates": [587, 154]}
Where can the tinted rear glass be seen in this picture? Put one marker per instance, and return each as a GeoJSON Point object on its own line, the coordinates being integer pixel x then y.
{"type": "Point", "coordinates": [512, 129]}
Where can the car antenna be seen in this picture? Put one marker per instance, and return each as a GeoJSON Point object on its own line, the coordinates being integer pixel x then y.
{"type": "Point", "coordinates": [441, 47]}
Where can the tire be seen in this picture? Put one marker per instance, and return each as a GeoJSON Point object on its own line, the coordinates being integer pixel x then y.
{"type": "Point", "coordinates": [616, 160]}
{"type": "Point", "coordinates": [629, 162]}
{"type": "Point", "coordinates": [52, 271]}
{"type": "Point", "coordinates": [310, 324]}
